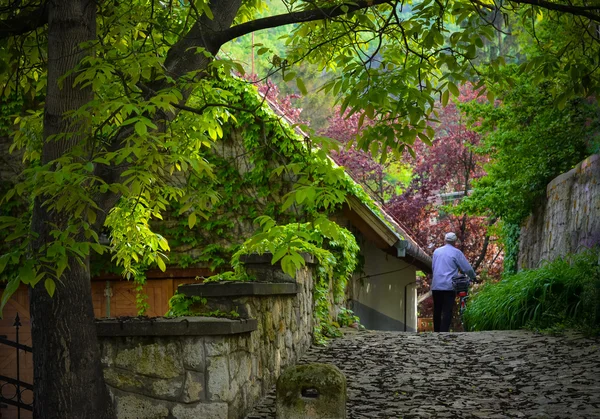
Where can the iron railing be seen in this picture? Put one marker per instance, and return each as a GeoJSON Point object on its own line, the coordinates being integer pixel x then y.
{"type": "Point", "coordinates": [12, 389]}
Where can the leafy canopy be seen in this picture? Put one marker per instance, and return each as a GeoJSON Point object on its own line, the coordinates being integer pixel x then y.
{"type": "Point", "coordinates": [154, 109]}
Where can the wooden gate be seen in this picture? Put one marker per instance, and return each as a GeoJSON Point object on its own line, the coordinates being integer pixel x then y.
{"type": "Point", "coordinates": [17, 305]}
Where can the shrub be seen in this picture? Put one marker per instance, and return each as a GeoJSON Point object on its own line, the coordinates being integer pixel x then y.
{"type": "Point", "coordinates": [565, 292]}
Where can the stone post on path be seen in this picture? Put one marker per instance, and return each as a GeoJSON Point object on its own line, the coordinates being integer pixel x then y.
{"type": "Point", "coordinates": [311, 391]}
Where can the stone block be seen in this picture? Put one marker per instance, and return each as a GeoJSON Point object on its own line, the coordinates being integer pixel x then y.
{"type": "Point", "coordinates": [107, 351]}
{"type": "Point", "coordinates": [218, 379]}
{"type": "Point", "coordinates": [201, 410]}
{"type": "Point", "coordinates": [289, 339]}
{"type": "Point", "coordinates": [193, 389]}
{"type": "Point", "coordinates": [161, 360]}
{"type": "Point", "coordinates": [167, 389]}
{"type": "Point", "coordinates": [164, 389]}
{"type": "Point", "coordinates": [135, 407]}
{"type": "Point", "coordinates": [122, 379]}
{"type": "Point", "coordinates": [216, 346]}
{"type": "Point", "coordinates": [311, 391]}
{"type": "Point", "coordinates": [193, 354]}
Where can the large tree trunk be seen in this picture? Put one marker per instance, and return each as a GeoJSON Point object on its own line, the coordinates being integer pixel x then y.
{"type": "Point", "coordinates": [67, 371]}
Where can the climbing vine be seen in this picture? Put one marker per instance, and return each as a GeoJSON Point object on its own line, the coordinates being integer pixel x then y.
{"type": "Point", "coordinates": [261, 170]}
{"type": "Point", "coordinates": [261, 167]}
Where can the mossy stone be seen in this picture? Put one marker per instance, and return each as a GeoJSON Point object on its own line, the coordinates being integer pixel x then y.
{"type": "Point", "coordinates": [311, 391]}
{"type": "Point", "coordinates": [153, 360]}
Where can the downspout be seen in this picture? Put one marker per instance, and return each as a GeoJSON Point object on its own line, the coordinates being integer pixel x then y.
{"type": "Point", "coordinates": [406, 302]}
{"type": "Point", "coordinates": [107, 295]}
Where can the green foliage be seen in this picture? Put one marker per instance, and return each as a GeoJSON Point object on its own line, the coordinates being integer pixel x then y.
{"type": "Point", "coordinates": [510, 234]}
{"type": "Point", "coordinates": [346, 317]}
{"type": "Point", "coordinates": [529, 141]}
{"type": "Point", "coordinates": [334, 247]}
{"type": "Point", "coordinates": [141, 298]}
{"type": "Point", "coordinates": [238, 275]}
{"type": "Point", "coordinates": [565, 291]}
{"type": "Point", "coordinates": [181, 305]}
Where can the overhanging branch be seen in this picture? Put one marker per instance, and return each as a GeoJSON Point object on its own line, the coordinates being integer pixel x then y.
{"type": "Point", "coordinates": [584, 11]}
{"type": "Point", "coordinates": [295, 17]}
{"type": "Point", "coordinates": [25, 22]}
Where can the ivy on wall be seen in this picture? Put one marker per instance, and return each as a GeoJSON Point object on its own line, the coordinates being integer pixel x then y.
{"type": "Point", "coordinates": [270, 190]}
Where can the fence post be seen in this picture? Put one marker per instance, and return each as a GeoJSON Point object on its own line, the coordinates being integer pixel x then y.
{"type": "Point", "coordinates": [17, 325]}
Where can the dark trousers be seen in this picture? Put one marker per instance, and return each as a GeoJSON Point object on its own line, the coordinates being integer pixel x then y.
{"type": "Point", "coordinates": [443, 303]}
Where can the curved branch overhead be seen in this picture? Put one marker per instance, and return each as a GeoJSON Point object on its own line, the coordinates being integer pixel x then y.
{"type": "Point", "coordinates": [583, 11]}
{"type": "Point", "coordinates": [24, 22]}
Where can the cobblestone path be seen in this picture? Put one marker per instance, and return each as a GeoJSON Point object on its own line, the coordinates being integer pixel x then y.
{"type": "Point", "coordinates": [508, 374]}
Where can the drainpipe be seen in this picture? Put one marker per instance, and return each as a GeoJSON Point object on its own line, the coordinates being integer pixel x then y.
{"type": "Point", "coordinates": [406, 302]}
{"type": "Point", "coordinates": [107, 294]}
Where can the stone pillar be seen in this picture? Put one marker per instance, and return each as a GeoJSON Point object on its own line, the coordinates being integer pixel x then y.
{"type": "Point", "coordinates": [311, 391]}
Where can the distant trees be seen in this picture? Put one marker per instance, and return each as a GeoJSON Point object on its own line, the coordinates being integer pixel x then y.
{"type": "Point", "coordinates": [415, 189]}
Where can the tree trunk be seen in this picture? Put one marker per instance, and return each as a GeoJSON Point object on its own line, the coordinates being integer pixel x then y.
{"type": "Point", "coordinates": [67, 372]}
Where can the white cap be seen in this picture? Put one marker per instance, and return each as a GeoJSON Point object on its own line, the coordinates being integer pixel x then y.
{"type": "Point", "coordinates": [451, 237]}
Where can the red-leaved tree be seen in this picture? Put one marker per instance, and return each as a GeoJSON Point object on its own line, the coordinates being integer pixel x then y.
{"type": "Point", "coordinates": [441, 175]}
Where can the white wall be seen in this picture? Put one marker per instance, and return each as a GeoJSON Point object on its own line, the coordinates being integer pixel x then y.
{"type": "Point", "coordinates": [380, 295]}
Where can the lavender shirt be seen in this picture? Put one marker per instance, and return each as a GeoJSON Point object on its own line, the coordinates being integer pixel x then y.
{"type": "Point", "coordinates": [447, 260]}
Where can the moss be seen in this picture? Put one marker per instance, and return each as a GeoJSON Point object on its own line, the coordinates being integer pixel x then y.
{"type": "Point", "coordinates": [121, 380]}
{"type": "Point", "coordinates": [327, 379]}
{"type": "Point", "coordinates": [152, 360]}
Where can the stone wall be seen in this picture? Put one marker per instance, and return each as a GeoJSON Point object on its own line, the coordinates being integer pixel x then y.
{"type": "Point", "coordinates": [192, 369]}
{"type": "Point", "coordinates": [569, 218]}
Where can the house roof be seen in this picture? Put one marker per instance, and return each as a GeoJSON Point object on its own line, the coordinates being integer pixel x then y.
{"type": "Point", "coordinates": [387, 234]}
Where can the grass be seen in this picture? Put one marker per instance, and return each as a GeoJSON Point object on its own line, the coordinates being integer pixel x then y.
{"type": "Point", "coordinates": [565, 292]}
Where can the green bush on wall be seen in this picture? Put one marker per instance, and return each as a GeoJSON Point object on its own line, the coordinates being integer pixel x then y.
{"type": "Point", "coordinates": [563, 293]}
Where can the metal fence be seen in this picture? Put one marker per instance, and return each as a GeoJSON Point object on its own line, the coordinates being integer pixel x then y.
{"type": "Point", "coordinates": [12, 389]}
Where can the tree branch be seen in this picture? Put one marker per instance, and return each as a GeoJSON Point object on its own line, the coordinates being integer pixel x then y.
{"type": "Point", "coordinates": [296, 17]}
{"type": "Point", "coordinates": [563, 8]}
{"type": "Point", "coordinates": [484, 248]}
{"type": "Point", "coordinates": [24, 23]}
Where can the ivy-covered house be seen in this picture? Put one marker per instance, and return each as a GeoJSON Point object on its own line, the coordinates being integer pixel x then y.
{"type": "Point", "coordinates": [263, 167]}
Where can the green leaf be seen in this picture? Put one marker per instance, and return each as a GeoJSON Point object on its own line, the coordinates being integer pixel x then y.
{"type": "Point", "coordinates": [141, 129]}
{"type": "Point", "coordinates": [262, 51]}
{"type": "Point", "coordinates": [207, 11]}
{"type": "Point", "coordinates": [3, 262]}
{"type": "Point", "coordinates": [288, 266]}
{"type": "Point", "coordinates": [98, 248]}
{"type": "Point", "coordinates": [26, 273]}
{"type": "Point", "coordinates": [301, 86]}
{"type": "Point", "coordinates": [561, 100]}
{"type": "Point", "coordinates": [300, 195]}
{"type": "Point", "coordinates": [288, 202]}
{"type": "Point", "coordinates": [11, 287]}
{"type": "Point", "coordinates": [289, 76]}
{"type": "Point", "coordinates": [453, 89]}
{"type": "Point", "coordinates": [279, 254]}
{"type": "Point", "coordinates": [192, 220]}
{"type": "Point", "coordinates": [445, 97]}
{"type": "Point", "coordinates": [91, 214]}
{"type": "Point", "coordinates": [50, 286]}
{"type": "Point", "coordinates": [161, 264]}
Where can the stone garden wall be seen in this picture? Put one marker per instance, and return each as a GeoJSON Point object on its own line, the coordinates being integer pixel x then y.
{"type": "Point", "coordinates": [568, 220]}
{"type": "Point", "coordinates": [205, 367]}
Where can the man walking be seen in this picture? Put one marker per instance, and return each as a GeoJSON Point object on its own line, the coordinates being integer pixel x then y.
{"type": "Point", "coordinates": [447, 260]}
